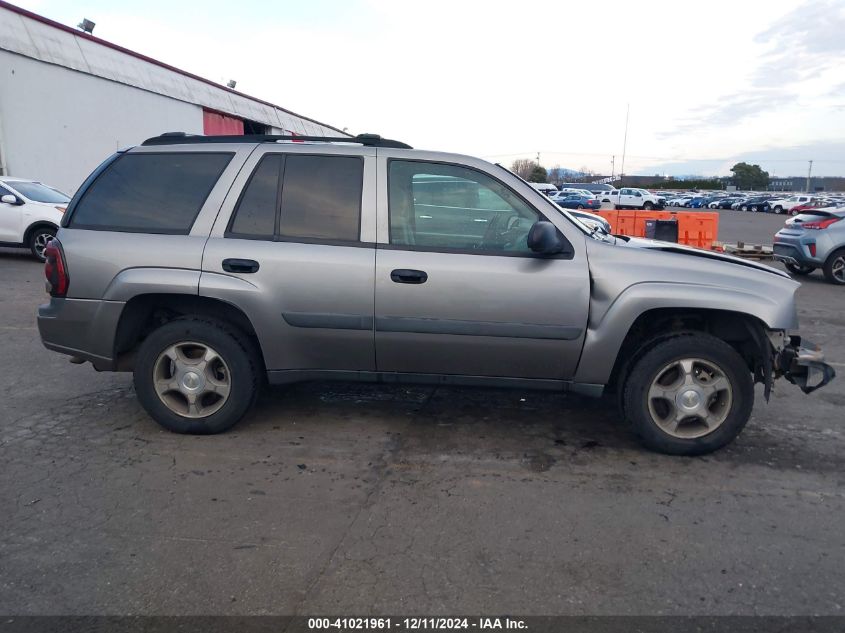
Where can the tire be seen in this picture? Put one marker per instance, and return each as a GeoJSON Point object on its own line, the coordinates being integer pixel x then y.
{"type": "Point", "coordinates": [38, 238]}
{"type": "Point", "coordinates": [580, 206]}
{"type": "Point", "coordinates": [729, 406]}
{"type": "Point", "coordinates": [648, 206]}
{"type": "Point", "coordinates": [834, 267]}
{"type": "Point", "coordinates": [793, 212]}
{"type": "Point", "coordinates": [778, 209]}
{"type": "Point", "coordinates": [743, 208]}
{"type": "Point", "coordinates": [236, 363]}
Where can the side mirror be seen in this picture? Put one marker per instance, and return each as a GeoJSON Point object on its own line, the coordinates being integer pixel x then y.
{"type": "Point", "coordinates": [543, 238]}
{"type": "Point", "coordinates": [10, 199]}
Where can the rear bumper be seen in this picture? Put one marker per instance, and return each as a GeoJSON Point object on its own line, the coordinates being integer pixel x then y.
{"type": "Point", "coordinates": [794, 251]}
{"type": "Point", "coordinates": [84, 328]}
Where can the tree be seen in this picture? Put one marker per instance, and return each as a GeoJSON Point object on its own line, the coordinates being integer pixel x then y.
{"type": "Point", "coordinates": [538, 174]}
{"type": "Point", "coordinates": [749, 176]}
{"type": "Point", "coordinates": [523, 167]}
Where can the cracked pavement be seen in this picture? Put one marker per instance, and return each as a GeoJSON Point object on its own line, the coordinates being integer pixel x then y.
{"type": "Point", "coordinates": [355, 499]}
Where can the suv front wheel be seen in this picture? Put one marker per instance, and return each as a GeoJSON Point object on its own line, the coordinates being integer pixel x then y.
{"type": "Point", "coordinates": [196, 375]}
{"type": "Point", "coordinates": [689, 395]}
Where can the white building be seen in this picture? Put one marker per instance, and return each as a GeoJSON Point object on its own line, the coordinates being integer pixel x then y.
{"type": "Point", "coordinates": [69, 99]}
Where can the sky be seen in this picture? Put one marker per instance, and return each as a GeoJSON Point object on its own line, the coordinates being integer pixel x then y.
{"type": "Point", "coordinates": [705, 84]}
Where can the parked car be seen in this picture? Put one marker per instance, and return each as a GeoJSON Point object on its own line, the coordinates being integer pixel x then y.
{"type": "Point", "coordinates": [579, 201]}
{"type": "Point", "coordinates": [413, 266]}
{"type": "Point", "coordinates": [724, 203]}
{"type": "Point", "coordinates": [699, 202]}
{"type": "Point", "coordinates": [679, 201]}
{"type": "Point", "coordinates": [565, 193]}
{"type": "Point", "coordinates": [757, 204]}
{"type": "Point", "coordinates": [784, 205]}
{"type": "Point", "coordinates": [601, 191]}
{"type": "Point", "coordinates": [30, 213]}
{"type": "Point", "coordinates": [814, 239]}
{"type": "Point", "coordinates": [634, 198]}
{"type": "Point", "coordinates": [817, 203]}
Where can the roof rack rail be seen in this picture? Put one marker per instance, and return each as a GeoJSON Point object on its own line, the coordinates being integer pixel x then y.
{"type": "Point", "coordinates": [182, 138]}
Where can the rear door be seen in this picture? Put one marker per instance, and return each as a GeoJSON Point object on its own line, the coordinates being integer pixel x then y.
{"type": "Point", "coordinates": [458, 291]}
{"type": "Point", "coordinates": [628, 198]}
{"type": "Point", "coordinates": [293, 247]}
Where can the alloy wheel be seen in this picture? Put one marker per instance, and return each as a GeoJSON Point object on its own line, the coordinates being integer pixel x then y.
{"type": "Point", "coordinates": [40, 242]}
{"type": "Point", "coordinates": [192, 379]}
{"type": "Point", "coordinates": [837, 269]}
{"type": "Point", "coordinates": [690, 398]}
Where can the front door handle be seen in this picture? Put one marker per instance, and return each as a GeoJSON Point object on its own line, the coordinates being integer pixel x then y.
{"type": "Point", "coordinates": [408, 276]}
{"type": "Point", "coordinates": [240, 265]}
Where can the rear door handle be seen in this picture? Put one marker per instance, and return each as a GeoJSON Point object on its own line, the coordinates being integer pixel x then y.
{"type": "Point", "coordinates": [408, 276]}
{"type": "Point", "coordinates": [240, 265]}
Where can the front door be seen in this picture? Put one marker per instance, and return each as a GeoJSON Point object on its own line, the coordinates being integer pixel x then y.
{"type": "Point", "coordinates": [10, 219]}
{"type": "Point", "coordinates": [457, 289]}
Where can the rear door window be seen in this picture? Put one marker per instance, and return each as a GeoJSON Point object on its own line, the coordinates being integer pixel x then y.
{"type": "Point", "coordinates": [321, 198]}
{"type": "Point", "coordinates": [151, 193]}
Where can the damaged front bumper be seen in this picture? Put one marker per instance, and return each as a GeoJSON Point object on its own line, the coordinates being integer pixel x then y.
{"type": "Point", "coordinates": [803, 365]}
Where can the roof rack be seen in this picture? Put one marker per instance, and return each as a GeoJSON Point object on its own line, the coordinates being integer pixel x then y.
{"type": "Point", "coordinates": [182, 138]}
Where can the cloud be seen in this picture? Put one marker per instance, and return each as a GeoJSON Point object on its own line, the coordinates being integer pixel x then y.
{"type": "Point", "coordinates": [802, 45]}
{"type": "Point", "coordinates": [788, 160]}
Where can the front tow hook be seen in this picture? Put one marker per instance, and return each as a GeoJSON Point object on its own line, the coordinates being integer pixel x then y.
{"type": "Point", "coordinates": [806, 366]}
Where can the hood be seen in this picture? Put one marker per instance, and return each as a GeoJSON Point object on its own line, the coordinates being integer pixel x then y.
{"type": "Point", "coordinates": [680, 249]}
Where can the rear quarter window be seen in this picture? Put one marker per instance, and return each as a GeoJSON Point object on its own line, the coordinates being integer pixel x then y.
{"type": "Point", "coordinates": [152, 193]}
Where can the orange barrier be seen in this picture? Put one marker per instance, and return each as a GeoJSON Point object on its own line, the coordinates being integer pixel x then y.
{"type": "Point", "coordinates": [698, 229]}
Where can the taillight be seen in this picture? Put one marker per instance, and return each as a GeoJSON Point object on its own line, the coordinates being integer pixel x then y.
{"type": "Point", "coordinates": [55, 270]}
{"type": "Point", "coordinates": [821, 224]}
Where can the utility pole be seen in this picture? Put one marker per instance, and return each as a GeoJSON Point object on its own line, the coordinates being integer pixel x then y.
{"type": "Point", "coordinates": [612, 168]}
{"type": "Point", "coordinates": [538, 158]}
{"type": "Point", "coordinates": [625, 141]}
{"type": "Point", "coordinates": [809, 174]}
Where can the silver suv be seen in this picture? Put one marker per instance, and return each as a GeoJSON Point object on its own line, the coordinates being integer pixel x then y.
{"type": "Point", "coordinates": [207, 265]}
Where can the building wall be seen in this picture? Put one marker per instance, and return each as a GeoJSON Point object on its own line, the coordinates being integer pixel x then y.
{"type": "Point", "coordinates": [57, 124]}
{"type": "Point", "coordinates": [44, 40]}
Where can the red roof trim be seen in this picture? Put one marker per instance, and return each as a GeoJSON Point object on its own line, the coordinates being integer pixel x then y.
{"type": "Point", "coordinates": [87, 36]}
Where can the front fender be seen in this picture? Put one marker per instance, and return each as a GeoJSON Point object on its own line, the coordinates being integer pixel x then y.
{"type": "Point", "coordinates": [608, 326]}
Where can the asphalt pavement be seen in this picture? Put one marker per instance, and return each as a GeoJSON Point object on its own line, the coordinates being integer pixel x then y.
{"type": "Point", "coordinates": [375, 500]}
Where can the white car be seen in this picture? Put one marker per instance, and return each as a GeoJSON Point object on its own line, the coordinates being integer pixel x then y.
{"type": "Point", "coordinates": [563, 193]}
{"type": "Point", "coordinates": [634, 198]}
{"type": "Point", "coordinates": [30, 213]}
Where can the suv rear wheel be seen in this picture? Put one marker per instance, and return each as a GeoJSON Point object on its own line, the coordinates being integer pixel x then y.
{"type": "Point", "coordinates": [196, 375]}
{"type": "Point", "coordinates": [689, 395]}
{"type": "Point", "coordinates": [834, 267]}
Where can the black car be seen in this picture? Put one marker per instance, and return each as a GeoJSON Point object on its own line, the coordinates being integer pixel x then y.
{"type": "Point", "coordinates": [758, 204]}
{"type": "Point", "coordinates": [725, 203]}
{"type": "Point", "coordinates": [577, 201]}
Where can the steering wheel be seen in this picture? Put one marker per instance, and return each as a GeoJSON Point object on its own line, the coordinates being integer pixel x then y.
{"type": "Point", "coordinates": [498, 231]}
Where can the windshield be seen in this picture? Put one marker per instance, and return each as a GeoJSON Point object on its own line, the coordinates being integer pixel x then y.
{"type": "Point", "coordinates": [37, 192]}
